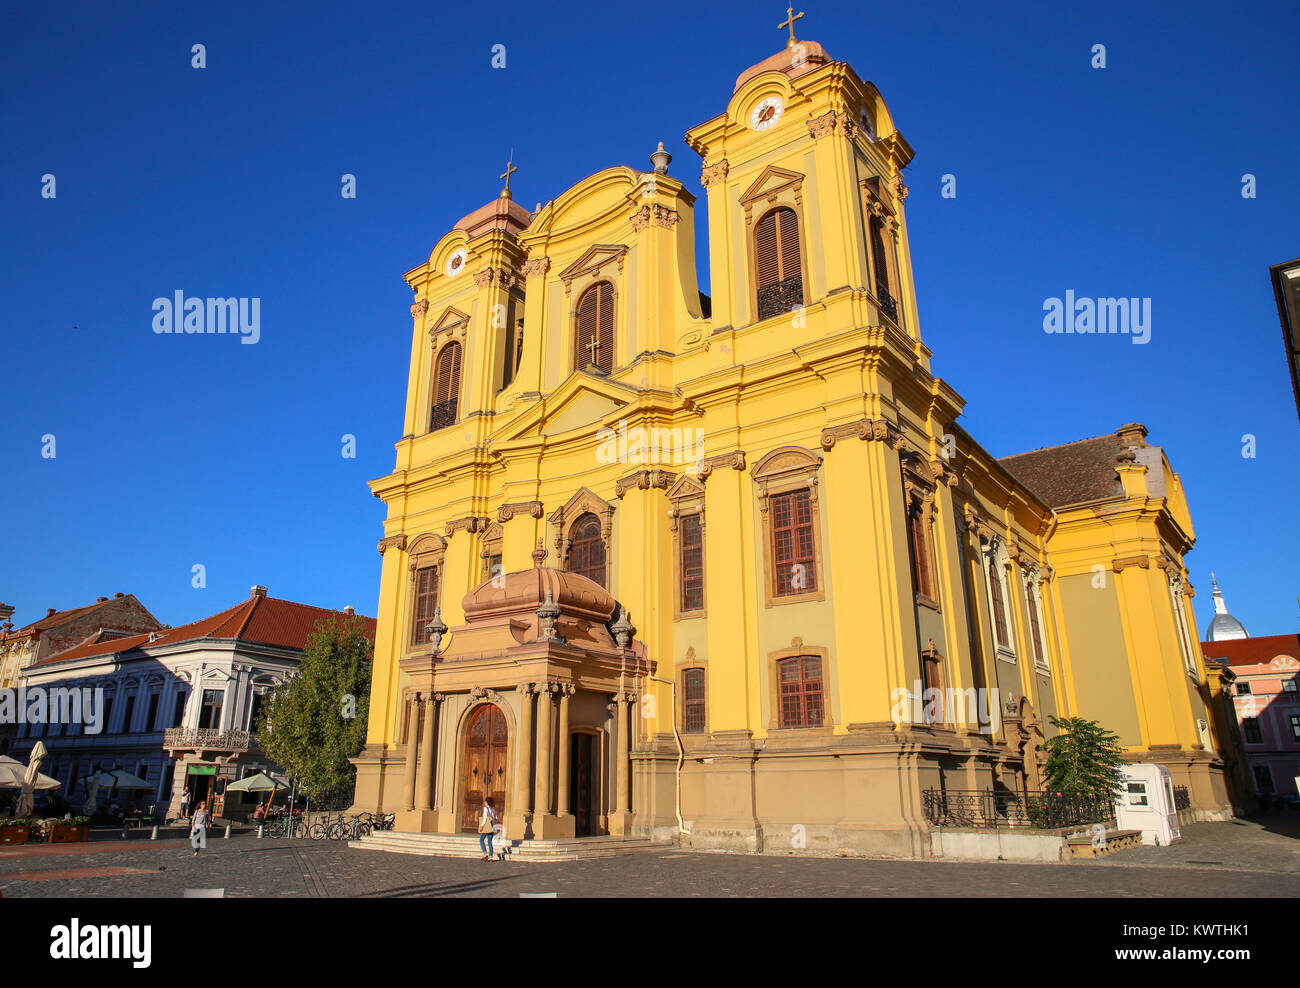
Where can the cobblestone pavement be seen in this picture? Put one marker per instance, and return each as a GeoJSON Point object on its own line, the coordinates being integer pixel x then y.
{"type": "Point", "coordinates": [245, 866]}
{"type": "Point", "coordinates": [1270, 842]}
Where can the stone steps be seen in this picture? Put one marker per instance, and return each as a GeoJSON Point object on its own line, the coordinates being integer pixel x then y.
{"type": "Point", "coordinates": [466, 846]}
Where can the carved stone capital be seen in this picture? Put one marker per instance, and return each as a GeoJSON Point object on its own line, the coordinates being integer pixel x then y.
{"type": "Point", "coordinates": [389, 541]}
{"type": "Point", "coordinates": [640, 219]}
{"type": "Point", "coordinates": [879, 430]}
{"type": "Point", "coordinates": [900, 190]}
{"type": "Point", "coordinates": [470, 523]}
{"type": "Point", "coordinates": [643, 480]}
{"type": "Point", "coordinates": [531, 508]}
{"type": "Point", "coordinates": [1119, 564]}
{"type": "Point", "coordinates": [419, 309]}
{"type": "Point", "coordinates": [715, 173]}
{"type": "Point", "coordinates": [823, 125]}
{"type": "Point", "coordinates": [735, 459]}
{"type": "Point", "coordinates": [499, 275]}
{"type": "Point", "coordinates": [535, 266]}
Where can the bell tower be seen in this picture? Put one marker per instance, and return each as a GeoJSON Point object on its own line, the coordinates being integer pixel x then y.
{"type": "Point", "coordinates": [803, 173]}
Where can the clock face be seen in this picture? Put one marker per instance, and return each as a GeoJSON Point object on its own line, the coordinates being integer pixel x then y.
{"type": "Point", "coordinates": [456, 263]}
{"type": "Point", "coordinates": [766, 114]}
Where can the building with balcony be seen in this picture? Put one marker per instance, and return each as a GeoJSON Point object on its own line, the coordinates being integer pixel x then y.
{"type": "Point", "coordinates": [179, 704]}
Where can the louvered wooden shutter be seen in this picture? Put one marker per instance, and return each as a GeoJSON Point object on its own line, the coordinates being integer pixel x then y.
{"type": "Point", "coordinates": [776, 247]}
{"type": "Point", "coordinates": [595, 319]}
{"type": "Point", "coordinates": [878, 260]}
{"type": "Point", "coordinates": [448, 383]}
{"type": "Point", "coordinates": [767, 251]}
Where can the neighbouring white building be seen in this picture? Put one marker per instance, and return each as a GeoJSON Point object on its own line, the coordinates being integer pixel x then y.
{"type": "Point", "coordinates": [179, 703]}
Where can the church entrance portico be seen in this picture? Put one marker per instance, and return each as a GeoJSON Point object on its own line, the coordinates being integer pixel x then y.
{"type": "Point", "coordinates": [532, 703]}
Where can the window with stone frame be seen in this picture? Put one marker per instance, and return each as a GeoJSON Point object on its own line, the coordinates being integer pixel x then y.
{"type": "Point", "coordinates": [694, 708]}
{"type": "Point", "coordinates": [427, 579]}
{"type": "Point", "coordinates": [1186, 646]}
{"type": "Point", "coordinates": [802, 698]}
{"type": "Point", "coordinates": [446, 387]}
{"type": "Point", "coordinates": [691, 563]}
{"type": "Point", "coordinates": [919, 548]}
{"type": "Point", "coordinates": [794, 550]}
{"type": "Point", "coordinates": [1250, 725]}
{"type": "Point", "coordinates": [1034, 610]}
{"type": "Point", "coordinates": [777, 265]}
{"type": "Point", "coordinates": [786, 482]}
{"type": "Point", "coordinates": [1263, 778]}
{"type": "Point", "coordinates": [587, 555]}
{"type": "Point", "coordinates": [593, 339]}
{"type": "Point", "coordinates": [995, 574]}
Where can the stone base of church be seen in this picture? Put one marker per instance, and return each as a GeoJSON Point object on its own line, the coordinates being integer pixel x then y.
{"type": "Point", "coordinates": [550, 826]}
{"type": "Point", "coordinates": [416, 821]}
{"type": "Point", "coordinates": [1201, 773]}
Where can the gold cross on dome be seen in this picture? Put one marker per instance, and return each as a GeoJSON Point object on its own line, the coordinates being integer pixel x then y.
{"type": "Point", "coordinates": [595, 347]}
{"type": "Point", "coordinates": [510, 170]}
{"type": "Point", "coordinates": [791, 17]}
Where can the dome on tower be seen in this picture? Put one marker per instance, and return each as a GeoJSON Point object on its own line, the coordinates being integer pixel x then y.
{"type": "Point", "coordinates": [1223, 627]}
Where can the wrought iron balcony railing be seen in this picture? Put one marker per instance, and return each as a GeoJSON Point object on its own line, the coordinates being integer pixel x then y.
{"type": "Point", "coordinates": [887, 304]}
{"type": "Point", "coordinates": [986, 808]}
{"type": "Point", "coordinates": [208, 739]}
{"type": "Point", "coordinates": [443, 415]}
{"type": "Point", "coordinates": [781, 296]}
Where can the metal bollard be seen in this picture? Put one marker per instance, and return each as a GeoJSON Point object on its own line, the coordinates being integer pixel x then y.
{"type": "Point", "coordinates": [227, 831]}
{"type": "Point", "coordinates": [154, 835]}
{"type": "Point", "coordinates": [260, 828]}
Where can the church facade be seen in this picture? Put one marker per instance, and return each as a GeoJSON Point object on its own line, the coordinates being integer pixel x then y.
{"type": "Point", "coordinates": [658, 564]}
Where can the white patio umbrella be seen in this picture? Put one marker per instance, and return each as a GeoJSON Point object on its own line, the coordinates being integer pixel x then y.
{"type": "Point", "coordinates": [13, 773]}
{"type": "Point", "coordinates": [261, 782]}
{"type": "Point", "coordinates": [32, 780]}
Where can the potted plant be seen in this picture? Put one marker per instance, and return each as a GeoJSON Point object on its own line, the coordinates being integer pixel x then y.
{"type": "Point", "coordinates": [67, 831]}
{"type": "Point", "coordinates": [15, 831]}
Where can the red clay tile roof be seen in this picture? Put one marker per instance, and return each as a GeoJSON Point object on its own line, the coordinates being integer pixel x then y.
{"type": "Point", "coordinates": [59, 617]}
{"type": "Point", "coordinates": [261, 620]}
{"type": "Point", "coordinates": [1253, 651]}
{"type": "Point", "coordinates": [1071, 474]}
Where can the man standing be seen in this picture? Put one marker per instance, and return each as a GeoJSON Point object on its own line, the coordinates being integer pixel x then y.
{"type": "Point", "coordinates": [185, 803]}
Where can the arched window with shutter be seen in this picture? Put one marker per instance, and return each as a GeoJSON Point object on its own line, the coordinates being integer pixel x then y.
{"type": "Point", "coordinates": [587, 551]}
{"type": "Point", "coordinates": [778, 269]}
{"type": "Point", "coordinates": [593, 336]}
{"type": "Point", "coordinates": [879, 261]}
{"type": "Point", "coordinates": [446, 387]}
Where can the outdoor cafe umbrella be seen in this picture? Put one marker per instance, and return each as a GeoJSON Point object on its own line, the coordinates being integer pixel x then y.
{"type": "Point", "coordinates": [261, 782]}
{"type": "Point", "coordinates": [32, 781]}
{"type": "Point", "coordinates": [13, 773]}
{"type": "Point", "coordinates": [116, 781]}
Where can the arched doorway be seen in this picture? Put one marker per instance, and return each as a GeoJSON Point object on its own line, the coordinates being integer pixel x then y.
{"type": "Point", "coordinates": [486, 764]}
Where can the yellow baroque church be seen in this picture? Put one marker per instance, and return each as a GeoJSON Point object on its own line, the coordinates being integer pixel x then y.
{"type": "Point", "coordinates": [664, 566]}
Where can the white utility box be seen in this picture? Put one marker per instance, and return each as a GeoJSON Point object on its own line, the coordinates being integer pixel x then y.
{"type": "Point", "coordinates": [1147, 804]}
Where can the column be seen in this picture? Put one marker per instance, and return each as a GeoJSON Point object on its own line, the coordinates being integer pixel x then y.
{"type": "Point", "coordinates": [542, 805]}
{"type": "Point", "coordinates": [412, 723]}
{"type": "Point", "coordinates": [623, 755]}
{"type": "Point", "coordinates": [620, 821]}
{"type": "Point", "coordinates": [424, 781]}
{"type": "Point", "coordinates": [562, 791]}
{"type": "Point", "coordinates": [522, 801]}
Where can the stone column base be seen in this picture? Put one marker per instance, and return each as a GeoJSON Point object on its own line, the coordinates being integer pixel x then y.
{"type": "Point", "coordinates": [416, 821]}
{"type": "Point", "coordinates": [517, 825]}
{"type": "Point", "coordinates": [548, 826]}
{"type": "Point", "coordinates": [728, 835]}
{"type": "Point", "coordinates": [620, 824]}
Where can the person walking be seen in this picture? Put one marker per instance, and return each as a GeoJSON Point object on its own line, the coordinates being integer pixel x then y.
{"type": "Point", "coordinates": [199, 828]}
{"type": "Point", "coordinates": [487, 823]}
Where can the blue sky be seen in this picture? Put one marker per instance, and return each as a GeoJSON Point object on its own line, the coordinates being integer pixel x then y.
{"type": "Point", "coordinates": [224, 181]}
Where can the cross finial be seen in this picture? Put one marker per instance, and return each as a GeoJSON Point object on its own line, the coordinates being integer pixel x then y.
{"type": "Point", "coordinates": [791, 17]}
{"type": "Point", "coordinates": [595, 347]}
{"type": "Point", "coordinates": [510, 170]}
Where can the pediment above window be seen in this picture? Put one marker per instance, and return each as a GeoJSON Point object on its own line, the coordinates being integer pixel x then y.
{"type": "Point", "coordinates": [593, 261]}
{"type": "Point", "coordinates": [451, 322]}
{"type": "Point", "coordinates": [770, 184]}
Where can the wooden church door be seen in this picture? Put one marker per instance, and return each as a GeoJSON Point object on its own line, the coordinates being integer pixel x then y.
{"type": "Point", "coordinates": [485, 765]}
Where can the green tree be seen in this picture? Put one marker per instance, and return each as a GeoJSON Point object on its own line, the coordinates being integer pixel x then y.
{"type": "Point", "coordinates": [1083, 759]}
{"type": "Point", "coordinates": [315, 721]}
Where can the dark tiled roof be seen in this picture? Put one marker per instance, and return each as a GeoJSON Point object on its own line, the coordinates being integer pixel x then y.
{"type": "Point", "coordinates": [1253, 651]}
{"type": "Point", "coordinates": [1071, 474]}
{"type": "Point", "coordinates": [262, 620]}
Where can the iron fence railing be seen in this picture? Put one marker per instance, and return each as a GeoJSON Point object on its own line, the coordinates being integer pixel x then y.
{"type": "Point", "coordinates": [443, 415]}
{"type": "Point", "coordinates": [781, 296]}
{"type": "Point", "coordinates": [887, 304]}
{"type": "Point", "coordinates": [981, 808]}
{"type": "Point", "coordinates": [1182, 798]}
{"type": "Point", "coordinates": [208, 739]}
